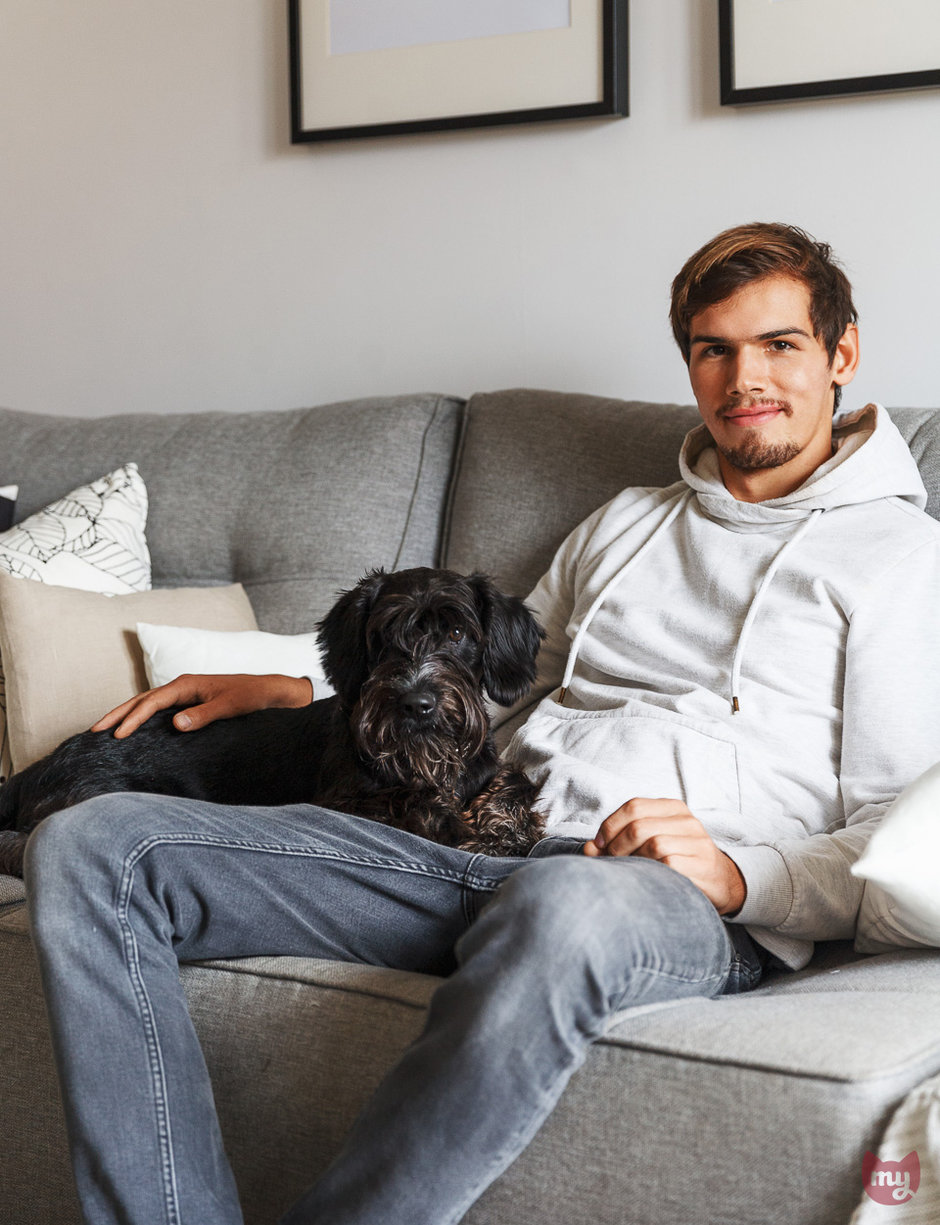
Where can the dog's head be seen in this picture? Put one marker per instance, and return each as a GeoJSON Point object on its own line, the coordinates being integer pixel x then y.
{"type": "Point", "coordinates": [411, 653]}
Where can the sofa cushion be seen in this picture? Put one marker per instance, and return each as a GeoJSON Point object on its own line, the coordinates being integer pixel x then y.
{"type": "Point", "coordinates": [295, 505]}
{"type": "Point", "coordinates": [73, 655]}
{"type": "Point", "coordinates": [765, 1103]}
{"type": "Point", "coordinates": [532, 464]}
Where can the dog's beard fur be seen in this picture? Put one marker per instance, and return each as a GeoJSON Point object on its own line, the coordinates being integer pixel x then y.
{"type": "Point", "coordinates": [408, 752]}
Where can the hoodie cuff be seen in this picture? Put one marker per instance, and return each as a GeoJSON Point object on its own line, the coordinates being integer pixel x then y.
{"type": "Point", "coordinates": [769, 886]}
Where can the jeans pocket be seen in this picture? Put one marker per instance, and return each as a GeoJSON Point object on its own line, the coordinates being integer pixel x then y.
{"type": "Point", "coordinates": [748, 962]}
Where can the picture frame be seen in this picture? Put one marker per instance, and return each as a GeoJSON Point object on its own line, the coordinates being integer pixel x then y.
{"type": "Point", "coordinates": [783, 50]}
{"type": "Point", "coordinates": [365, 68]}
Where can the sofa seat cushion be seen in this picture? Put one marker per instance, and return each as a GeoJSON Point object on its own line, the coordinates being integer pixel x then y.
{"type": "Point", "coordinates": [765, 1103]}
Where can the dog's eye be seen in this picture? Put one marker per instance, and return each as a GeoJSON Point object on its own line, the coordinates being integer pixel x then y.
{"type": "Point", "coordinates": [455, 633]}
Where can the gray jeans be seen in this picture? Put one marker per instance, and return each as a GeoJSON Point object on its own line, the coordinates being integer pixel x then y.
{"type": "Point", "coordinates": [537, 955]}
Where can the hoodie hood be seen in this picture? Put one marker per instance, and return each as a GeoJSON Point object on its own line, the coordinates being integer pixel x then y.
{"type": "Point", "coordinates": [870, 461]}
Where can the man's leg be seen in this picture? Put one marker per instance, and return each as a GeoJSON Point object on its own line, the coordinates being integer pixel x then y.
{"type": "Point", "coordinates": [564, 944]}
{"type": "Point", "coordinates": [123, 887]}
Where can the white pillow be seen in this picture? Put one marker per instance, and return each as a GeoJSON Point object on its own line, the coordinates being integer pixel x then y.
{"type": "Point", "coordinates": [92, 539]}
{"type": "Point", "coordinates": [170, 651]}
{"type": "Point", "coordinates": [901, 865]}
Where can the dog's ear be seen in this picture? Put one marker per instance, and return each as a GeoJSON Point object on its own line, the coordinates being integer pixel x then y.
{"type": "Point", "coordinates": [511, 641]}
{"type": "Point", "coordinates": [343, 637]}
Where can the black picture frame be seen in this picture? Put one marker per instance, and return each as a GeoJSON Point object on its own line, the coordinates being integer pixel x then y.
{"type": "Point", "coordinates": [613, 102]}
{"type": "Point", "coordinates": [785, 91]}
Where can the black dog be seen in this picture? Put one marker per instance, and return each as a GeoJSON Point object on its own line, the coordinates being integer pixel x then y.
{"type": "Point", "coordinates": [406, 741]}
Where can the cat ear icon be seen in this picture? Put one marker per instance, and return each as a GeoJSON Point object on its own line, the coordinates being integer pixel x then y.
{"type": "Point", "coordinates": [891, 1182]}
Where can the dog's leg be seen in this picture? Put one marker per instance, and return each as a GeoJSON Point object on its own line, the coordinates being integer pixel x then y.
{"type": "Point", "coordinates": [502, 819]}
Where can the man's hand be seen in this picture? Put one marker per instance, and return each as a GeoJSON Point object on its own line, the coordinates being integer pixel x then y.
{"type": "Point", "coordinates": [666, 830]}
{"type": "Point", "coordinates": [207, 698]}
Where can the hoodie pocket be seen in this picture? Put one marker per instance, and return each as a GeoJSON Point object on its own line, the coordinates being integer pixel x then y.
{"type": "Point", "coordinates": [589, 762]}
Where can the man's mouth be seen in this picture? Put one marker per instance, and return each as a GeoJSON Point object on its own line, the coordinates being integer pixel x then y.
{"type": "Point", "coordinates": [747, 415]}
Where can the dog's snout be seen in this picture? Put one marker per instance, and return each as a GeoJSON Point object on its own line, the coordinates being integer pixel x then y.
{"type": "Point", "coordinates": [418, 703]}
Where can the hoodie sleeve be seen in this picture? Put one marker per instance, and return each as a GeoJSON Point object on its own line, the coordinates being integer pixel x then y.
{"type": "Point", "coordinates": [803, 888]}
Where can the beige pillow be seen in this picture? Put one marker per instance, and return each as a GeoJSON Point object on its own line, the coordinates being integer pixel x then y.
{"type": "Point", "coordinates": [70, 656]}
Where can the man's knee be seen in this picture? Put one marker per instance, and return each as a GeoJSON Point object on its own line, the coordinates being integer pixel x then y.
{"type": "Point", "coordinates": [77, 840]}
{"type": "Point", "coordinates": [592, 905]}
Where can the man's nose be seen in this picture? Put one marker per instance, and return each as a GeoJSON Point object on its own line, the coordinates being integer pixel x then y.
{"type": "Point", "coordinates": [747, 373]}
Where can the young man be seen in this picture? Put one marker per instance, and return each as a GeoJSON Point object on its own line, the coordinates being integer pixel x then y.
{"type": "Point", "coordinates": [738, 680]}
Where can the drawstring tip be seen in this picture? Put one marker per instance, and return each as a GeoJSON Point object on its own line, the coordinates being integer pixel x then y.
{"type": "Point", "coordinates": [561, 695]}
{"type": "Point", "coordinates": [735, 706]}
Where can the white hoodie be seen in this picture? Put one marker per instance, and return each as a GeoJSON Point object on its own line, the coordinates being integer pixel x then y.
{"type": "Point", "coordinates": [774, 665]}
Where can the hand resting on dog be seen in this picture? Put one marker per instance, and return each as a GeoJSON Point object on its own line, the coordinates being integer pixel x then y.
{"type": "Point", "coordinates": [207, 698]}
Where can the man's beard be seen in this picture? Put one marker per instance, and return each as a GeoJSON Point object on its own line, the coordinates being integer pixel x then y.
{"type": "Point", "coordinates": [754, 453]}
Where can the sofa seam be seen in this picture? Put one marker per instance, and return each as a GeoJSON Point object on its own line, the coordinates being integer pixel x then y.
{"type": "Point", "coordinates": [765, 1068]}
{"type": "Point", "coordinates": [455, 474]}
{"type": "Point", "coordinates": [419, 473]}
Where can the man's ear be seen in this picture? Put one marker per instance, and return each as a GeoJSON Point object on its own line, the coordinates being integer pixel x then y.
{"type": "Point", "coordinates": [845, 362]}
{"type": "Point", "coordinates": [511, 641]}
{"type": "Point", "coordinates": [343, 637]}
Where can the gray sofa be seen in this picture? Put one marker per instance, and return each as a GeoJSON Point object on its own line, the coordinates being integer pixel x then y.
{"type": "Point", "coordinates": [749, 1110]}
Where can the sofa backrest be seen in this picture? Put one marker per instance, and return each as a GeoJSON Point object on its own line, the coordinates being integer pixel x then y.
{"type": "Point", "coordinates": [532, 464]}
{"type": "Point", "coordinates": [298, 505]}
{"type": "Point", "coordinates": [295, 505]}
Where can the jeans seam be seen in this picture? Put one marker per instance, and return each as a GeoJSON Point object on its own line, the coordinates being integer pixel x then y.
{"type": "Point", "coordinates": [673, 975]}
{"type": "Point", "coordinates": [467, 879]}
{"type": "Point", "coordinates": [152, 1040]}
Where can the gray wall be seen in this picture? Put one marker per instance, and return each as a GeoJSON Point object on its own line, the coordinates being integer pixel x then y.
{"type": "Point", "coordinates": [165, 248]}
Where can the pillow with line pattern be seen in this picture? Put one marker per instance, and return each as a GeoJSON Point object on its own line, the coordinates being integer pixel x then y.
{"type": "Point", "coordinates": [92, 539]}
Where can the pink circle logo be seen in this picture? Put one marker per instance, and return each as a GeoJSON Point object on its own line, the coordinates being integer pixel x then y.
{"type": "Point", "coordinates": [891, 1182]}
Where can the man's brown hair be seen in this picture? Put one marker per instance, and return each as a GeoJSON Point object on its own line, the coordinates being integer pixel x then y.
{"type": "Point", "coordinates": [747, 253]}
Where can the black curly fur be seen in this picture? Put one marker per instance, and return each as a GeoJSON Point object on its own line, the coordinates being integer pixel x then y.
{"type": "Point", "coordinates": [406, 741]}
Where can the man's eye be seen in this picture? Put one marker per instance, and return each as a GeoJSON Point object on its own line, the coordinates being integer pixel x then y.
{"type": "Point", "coordinates": [455, 634]}
{"type": "Point", "coordinates": [781, 346]}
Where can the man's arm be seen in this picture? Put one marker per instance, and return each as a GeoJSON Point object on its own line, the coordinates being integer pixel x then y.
{"type": "Point", "coordinates": [207, 698]}
{"type": "Point", "coordinates": [803, 887]}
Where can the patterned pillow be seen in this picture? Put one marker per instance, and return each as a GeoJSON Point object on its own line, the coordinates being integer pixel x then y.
{"type": "Point", "coordinates": [93, 539]}
{"type": "Point", "coordinates": [7, 505]}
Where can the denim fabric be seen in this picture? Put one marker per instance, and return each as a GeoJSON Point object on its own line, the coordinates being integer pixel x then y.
{"type": "Point", "coordinates": [539, 955]}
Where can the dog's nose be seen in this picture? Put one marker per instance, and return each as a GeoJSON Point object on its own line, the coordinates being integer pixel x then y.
{"type": "Point", "coordinates": [418, 703]}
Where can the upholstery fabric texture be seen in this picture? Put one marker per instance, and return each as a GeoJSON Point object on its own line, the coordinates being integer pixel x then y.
{"type": "Point", "coordinates": [295, 505]}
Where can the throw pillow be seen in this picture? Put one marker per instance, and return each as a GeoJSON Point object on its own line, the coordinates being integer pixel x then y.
{"type": "Point", "coordinates": [901, 902]}
{"type": "Point", "coordinates": [73, 655]}
{"type": "Point", "coordinates": [7, 505]}
{"type": "Point", "coordinates": [170, 651]}
{"type": "Point", "coordinates": [93, 539]}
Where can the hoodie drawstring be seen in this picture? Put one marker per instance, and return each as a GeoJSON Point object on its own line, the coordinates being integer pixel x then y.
{"type": "Point", "coordinates": [748, 620]}
{"type": "Point", "coordinates": [608, 586]}
{"type": "Point", "coordinates": [756, 603]}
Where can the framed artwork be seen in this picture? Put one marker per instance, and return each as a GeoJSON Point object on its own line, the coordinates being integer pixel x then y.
{"type": "Point", "coordinates": [773, 50]}
{"type": "Point", "coordinates": [388, 67]}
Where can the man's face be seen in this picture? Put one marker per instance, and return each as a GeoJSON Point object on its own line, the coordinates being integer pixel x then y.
{"type": "Point", "coordinates": [764, 386]}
